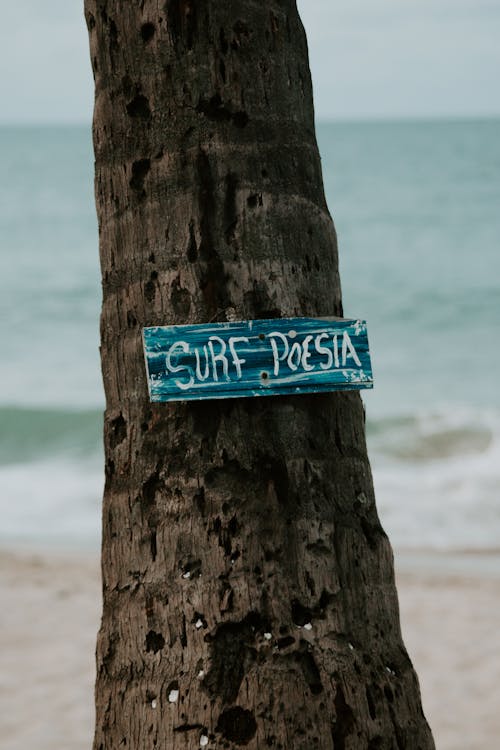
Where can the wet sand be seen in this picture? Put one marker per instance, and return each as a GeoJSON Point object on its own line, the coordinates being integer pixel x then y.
{"type": "Point", "coordinates": [50, 615]}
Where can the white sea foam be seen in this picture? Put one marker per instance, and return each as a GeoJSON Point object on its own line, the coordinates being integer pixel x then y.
{"type": "Point", "coordinates": [51, 501]}
{"type": "Point", "coordinates": [437, 479]}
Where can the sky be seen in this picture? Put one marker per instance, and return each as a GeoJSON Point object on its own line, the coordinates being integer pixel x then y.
{"type": "Point", "coordinates": [369, 59]}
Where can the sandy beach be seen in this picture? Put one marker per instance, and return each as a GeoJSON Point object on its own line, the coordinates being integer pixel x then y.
{"type": "Point", "coordinates": [50, 615]}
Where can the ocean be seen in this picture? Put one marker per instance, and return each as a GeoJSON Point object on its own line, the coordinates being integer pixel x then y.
{"type": "Point", "coordinates": [417, 210]}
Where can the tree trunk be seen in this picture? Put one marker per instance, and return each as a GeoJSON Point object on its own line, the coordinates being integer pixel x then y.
{"type": "Point", "coordinates": [249, 594]}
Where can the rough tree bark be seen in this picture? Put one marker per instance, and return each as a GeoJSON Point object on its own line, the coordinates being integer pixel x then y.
{"type": "Point", "coordinates": [249, 595]}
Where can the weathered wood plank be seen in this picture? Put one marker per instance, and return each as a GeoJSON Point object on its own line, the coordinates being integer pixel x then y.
{"type": "Point", "coordinates": [256, 358]}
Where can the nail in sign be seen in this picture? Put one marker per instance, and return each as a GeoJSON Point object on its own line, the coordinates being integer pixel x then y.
{"type": "Point", "coordinates": [256, 358]}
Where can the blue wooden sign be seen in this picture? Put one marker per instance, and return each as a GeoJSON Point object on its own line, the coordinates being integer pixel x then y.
{"type": "Point", "coordinates": [256, 358]}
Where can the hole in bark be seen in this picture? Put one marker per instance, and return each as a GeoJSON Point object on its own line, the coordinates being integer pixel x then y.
{"type": "Point", "coordinates": [139, 107]}
{"type": "Point", "coordinates": [150, 487]}
{"type": "Point", "coordinates": [232, 654]}
{"type": "Point", "coordinates": [222, 70]}
{"type": "Point", "coordinates": [300, 614]}
{"type": "Point", "coordinates": [198, 620]}
{"type": "Point", "coordinates": [90, 21]}
{"type": "Point", "coordinates": [388, 693]}
{"type": "Point", "coordinates": [147, 31]}
{"type": "Point", "coordinates": [344, 721]}
{"type": "Point", "coordinates": [131, 319]}
{"type": "Point", "coordinates": [113, 36]}
{"type": "Point", "coordinates": [140, 170]}
{"type": "Point", "coordinates": [183, 635]}
{"type": "Point", "coordinates": [199, 500]}
{"type": "Point", "coordinates": [154, 642]}
{"type": "Point", "coordinates": [325, 599]}
{"type": "Point", "coordinates": [237, 725]}
{"type": "Point", "coordinates": [181, 15]}
{"type": "Point", "coordinates": [254, 200]}
{"type": "Point", "coordinates": [288, 640]}
{"type": "Point", "coordinates": [174, 685]}
{"type": "Point", "coordinates": [152, 544]}
{"type": "Point", "coordinates": [152, 258]}
{"type": "Point", "coordinates": [226, 535]}
{"type": "Point", "coordinates": [192, 569]}
{"type": "Point", "coordinates": [192, 251]}
{"type": "Point", "coordinates": [150, 290]}
{"type": "Point", "coordinates": [187, 727]}
{"type": "Point", "coordinates": [118, 431]}
{"type": "Point", "coordinates": [214, 109]}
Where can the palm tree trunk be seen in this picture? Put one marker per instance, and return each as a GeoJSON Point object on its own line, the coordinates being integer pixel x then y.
{"type": "Point", "coordinates": [249, 594]}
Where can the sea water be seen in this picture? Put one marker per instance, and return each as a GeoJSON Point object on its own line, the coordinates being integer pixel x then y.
{"type": "Point", "coordinates": [417, 211]}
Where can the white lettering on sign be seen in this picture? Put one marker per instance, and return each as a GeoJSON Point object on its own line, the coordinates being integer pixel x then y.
{"type": "Point", "coordinates": [220, 356]}
{"type": "Point", "coordinates": [215, 358]}
{"type": "Point", "coordinates": [184, 346]}
{"type": "Point", "coordinates": [348, 350]}
{"type": "Point", "coordinates": [212, 355]}
{"type": "Point", "coordinates": [237, 361]}
{"type": "Point", "coordinates": [299, 353]}
{"type": "Point", "coordinates": [323, 350]}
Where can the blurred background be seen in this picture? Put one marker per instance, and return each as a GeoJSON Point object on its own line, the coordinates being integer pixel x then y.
{"type": "Point", "coordinates": [407, 108]}
{"type": "Point", "coordinates": [408, 123]}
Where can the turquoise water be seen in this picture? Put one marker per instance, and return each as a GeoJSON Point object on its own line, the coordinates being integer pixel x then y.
{"type": "Point", "coordinates": [417, 211]}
